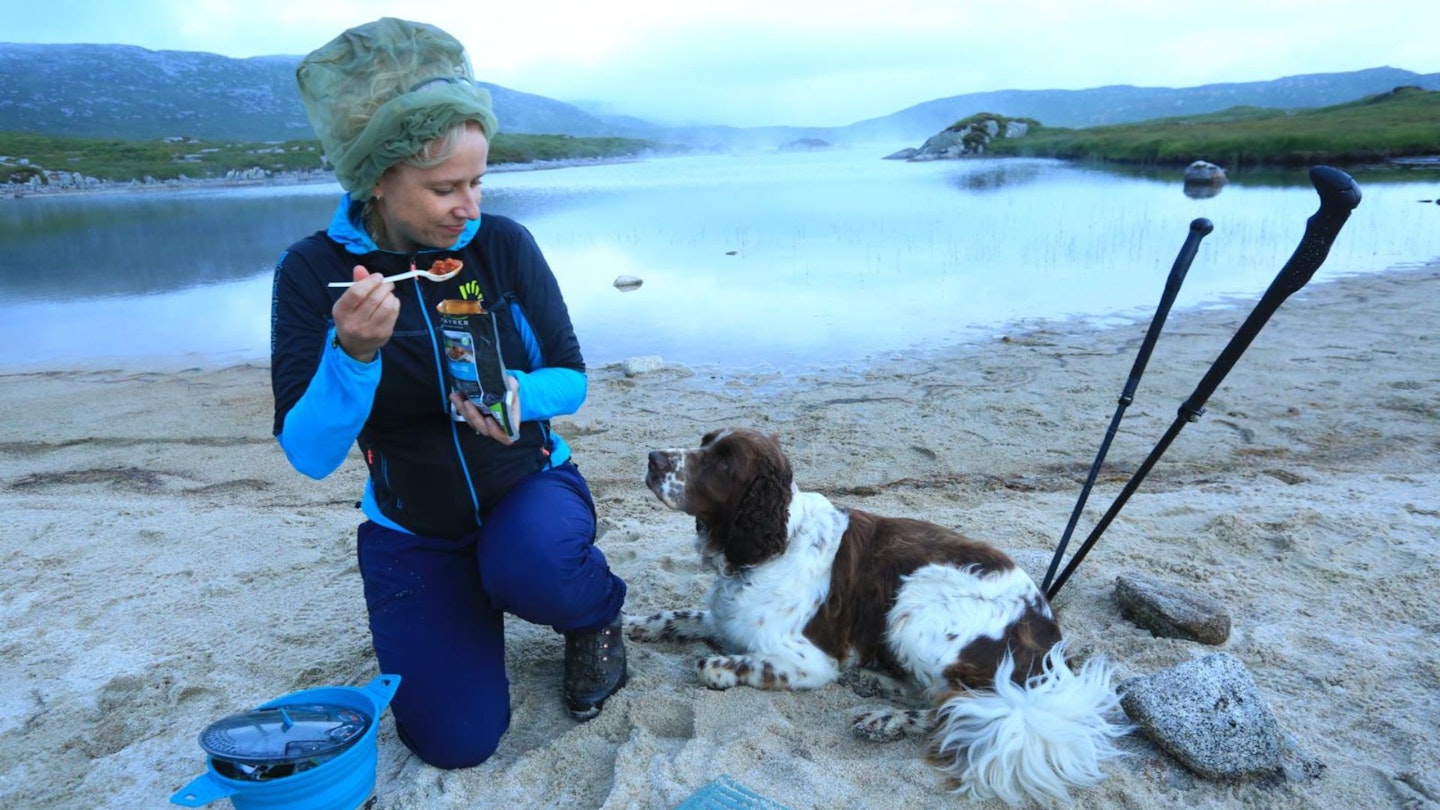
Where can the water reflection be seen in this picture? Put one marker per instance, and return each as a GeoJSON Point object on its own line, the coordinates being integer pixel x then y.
{"type": "Point", "coordinates": [994, 178]}
{"type": "Point", "coordinates": [1202, 191]}
{"type": "Point", "coordinates": [792, 260]}
{"type": "Point", "coordinates": [110, 244]}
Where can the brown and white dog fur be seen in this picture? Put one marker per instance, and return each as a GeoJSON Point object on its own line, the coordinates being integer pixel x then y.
{"type": "Point", "coordinates": [805, 589]}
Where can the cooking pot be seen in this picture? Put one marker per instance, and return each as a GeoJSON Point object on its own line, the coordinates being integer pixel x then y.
{"type": "Point", "coordinates": [308, 750]}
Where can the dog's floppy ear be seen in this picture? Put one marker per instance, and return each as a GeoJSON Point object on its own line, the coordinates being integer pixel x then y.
{"type": "Point", "coordinates": [757, 531]}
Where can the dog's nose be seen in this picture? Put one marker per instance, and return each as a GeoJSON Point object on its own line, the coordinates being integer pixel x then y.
{"type": "Point", "coordinates": [659, 461]}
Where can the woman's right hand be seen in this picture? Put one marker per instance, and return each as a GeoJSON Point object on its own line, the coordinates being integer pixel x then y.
{"type": "Point", "coordinates": [365, 315]}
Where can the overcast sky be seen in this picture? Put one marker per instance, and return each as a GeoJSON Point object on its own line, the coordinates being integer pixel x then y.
{"type": "Point", "coordinates": [758, 62]}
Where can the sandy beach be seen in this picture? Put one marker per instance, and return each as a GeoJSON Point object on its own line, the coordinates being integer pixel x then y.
{"type": "Point", "coordinates": [163, 566]}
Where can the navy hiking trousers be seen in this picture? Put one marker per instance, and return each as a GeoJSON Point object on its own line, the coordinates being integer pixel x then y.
{"type": "Point", "coordinates": [437, 608]}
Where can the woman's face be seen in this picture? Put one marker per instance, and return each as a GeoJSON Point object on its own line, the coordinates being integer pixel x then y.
{"type": "Point", "coordinates": [429, 208]}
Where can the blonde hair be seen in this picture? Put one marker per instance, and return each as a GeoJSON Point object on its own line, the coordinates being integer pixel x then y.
{"type": "Point", "coordinates": [441, 149]}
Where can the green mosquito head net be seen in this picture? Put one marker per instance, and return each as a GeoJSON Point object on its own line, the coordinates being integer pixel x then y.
{"type": "Point", "coordinates": [376, 94]}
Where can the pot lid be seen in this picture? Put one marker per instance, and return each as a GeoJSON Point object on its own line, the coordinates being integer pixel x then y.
{"type": "Point", "coordinates": [284, 733]}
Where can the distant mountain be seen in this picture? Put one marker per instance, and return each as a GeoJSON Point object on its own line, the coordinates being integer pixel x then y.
{"type": "Point", "coordinates": [99, 91]}
{"type": "Point", "coordinates": [1123, 104]}
{"type": "Point", "coordinates": [128, 92]}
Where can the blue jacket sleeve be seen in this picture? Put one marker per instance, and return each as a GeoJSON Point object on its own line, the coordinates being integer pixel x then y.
{"type": "Point", "coordinates": [322, 426]}
{"type": "Point", "coordinates": [549, 392]}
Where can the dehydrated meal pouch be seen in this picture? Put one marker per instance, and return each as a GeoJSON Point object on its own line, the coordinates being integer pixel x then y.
{"type": "Point", "coordinates": [471, 342]}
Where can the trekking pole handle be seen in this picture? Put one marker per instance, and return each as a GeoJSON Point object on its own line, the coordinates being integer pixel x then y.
{"type": "Point", "coordinates": [1339, 195]}
{"type": "Point", "coordinates": [1200, 227]}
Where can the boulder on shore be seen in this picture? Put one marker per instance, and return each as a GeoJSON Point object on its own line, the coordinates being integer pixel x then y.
{"type": "Point", "coordinates": [1208, 714]}
{"type": "Point", "coordinates": [1202, 171]}
{"type": "Point", "coordinates": [966, 137]}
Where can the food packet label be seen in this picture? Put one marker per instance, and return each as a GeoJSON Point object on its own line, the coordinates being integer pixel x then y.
{"type": "Point", "coordinates": [471, 344]}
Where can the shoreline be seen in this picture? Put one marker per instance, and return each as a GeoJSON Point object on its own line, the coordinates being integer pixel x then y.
{"type": "Point", "coordinates": [761, 370]}
{"type": "Point", "coordinates": [166, 567]}
{"type": "Point", "coordinates": [12, 191]}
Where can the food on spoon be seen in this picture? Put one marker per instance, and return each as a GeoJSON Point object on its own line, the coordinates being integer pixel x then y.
{"type": "Point", "coordinates": [445, 267]}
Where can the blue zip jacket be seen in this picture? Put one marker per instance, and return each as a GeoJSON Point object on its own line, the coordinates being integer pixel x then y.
{"type": "Point", "coordinates": [429, 474]}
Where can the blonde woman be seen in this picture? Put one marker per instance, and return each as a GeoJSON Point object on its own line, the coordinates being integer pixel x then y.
{"type": "Point", "coordinates": [464, 522]}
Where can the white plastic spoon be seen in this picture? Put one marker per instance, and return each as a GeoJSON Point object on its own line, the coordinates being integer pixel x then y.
{"type": "Point", "coordinates": [409, 274]}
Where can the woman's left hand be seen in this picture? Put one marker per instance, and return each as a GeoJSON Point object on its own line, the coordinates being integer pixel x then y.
{"type": "Point", "coordinates": [483, 423]}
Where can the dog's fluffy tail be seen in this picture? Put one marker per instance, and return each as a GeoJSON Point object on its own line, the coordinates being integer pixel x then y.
{"type": "Point", "coordinates": [1035, 741]}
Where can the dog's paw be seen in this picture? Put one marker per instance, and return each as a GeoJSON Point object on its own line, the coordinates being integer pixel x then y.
{"type": "Point", "coordinates": [642, 628]}
{"type": "Point", "coordinates": [725, 671]}
{"type": "Point", "coordinates": [667, 625]}
{"type": "Point", "coordinates": [889, 725]}
{"type": "Point", "coordinates": [717, 672]}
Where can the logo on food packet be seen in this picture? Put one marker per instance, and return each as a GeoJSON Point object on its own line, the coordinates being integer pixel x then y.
{"type": "Point", "coordinates": [471, 289]}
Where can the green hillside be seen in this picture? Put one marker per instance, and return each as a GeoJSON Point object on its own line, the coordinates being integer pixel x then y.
{"type": "Point", "coordinates": [24, 155]}
{"type": "Point", "coordinates": [1404, 122]}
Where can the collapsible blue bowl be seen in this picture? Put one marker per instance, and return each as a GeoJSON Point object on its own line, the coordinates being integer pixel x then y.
{"type": "Point", "coordinates": [341, 783]}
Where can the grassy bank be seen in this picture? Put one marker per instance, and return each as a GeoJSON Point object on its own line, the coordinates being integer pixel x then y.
{"type": "Point", "coordinates": [121, 161]}
{"type": "Point", "coordinates": [1402, 123]}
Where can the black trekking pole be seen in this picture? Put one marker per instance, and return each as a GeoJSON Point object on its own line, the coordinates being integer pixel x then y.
{"type": "Point", "coordinates": [1199, 229]}
{"type": "Point", "coordinates": [1338, 197]}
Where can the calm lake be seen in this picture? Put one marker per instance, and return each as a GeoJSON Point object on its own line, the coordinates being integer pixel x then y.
{"type": "Point", "coordinates": [782, 260]}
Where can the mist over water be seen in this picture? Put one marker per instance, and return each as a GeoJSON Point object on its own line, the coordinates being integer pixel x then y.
{"type": "Point", "coordinates": [779, 260]}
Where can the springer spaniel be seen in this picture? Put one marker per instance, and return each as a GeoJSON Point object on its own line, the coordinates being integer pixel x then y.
{"type": "Point", "coordinates": [804, 588]}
